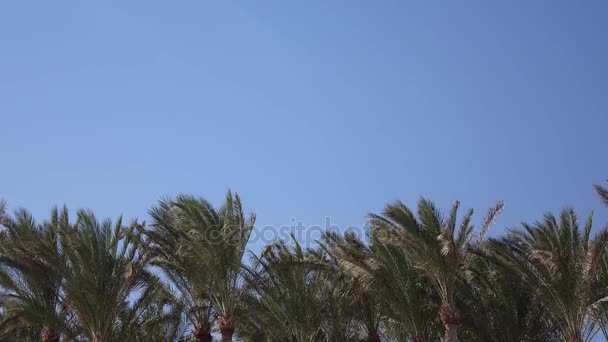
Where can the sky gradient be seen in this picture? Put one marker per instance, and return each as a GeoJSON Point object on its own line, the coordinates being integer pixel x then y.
{"type": "Point", "coordinates": [308, 109]}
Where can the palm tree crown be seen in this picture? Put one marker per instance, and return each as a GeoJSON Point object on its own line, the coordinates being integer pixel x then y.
{"type": "Point", "coordinates": [437, 246]}
{"type": "Point", "coordinates": [32, 297]}
{"type": "Point", "coordinates": [561, 263]}
{"type": "Point", "coordinates": [206, 246]}
{"type": "Point", "coordinates": [102, 266]}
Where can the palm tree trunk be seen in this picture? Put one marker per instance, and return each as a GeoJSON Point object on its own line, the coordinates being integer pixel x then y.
{"type": "Point", "coordinates": [202, 334]}
{"type": "Point", "coordinates": [450, 317]}
{"type": "Point", "coordinates": [50, 335]}
{"type": "Point", "coordinates": [373, 337]}
{"type": "Point", "coordinates": [226, 327]}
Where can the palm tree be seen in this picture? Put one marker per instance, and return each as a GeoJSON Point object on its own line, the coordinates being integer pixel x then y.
{"type": "Point", "coordinates": [169, 250]}
{"type": "Point", "coordinates": [560, 264]}
{"type": "Point", "coordinates": [367, 311]}
{"type": "Point", "coordinates": [499, 307]}
{"type": "Point", "coordinates": [438, 247]}
{"type": "Point", "coordinates": [154, 315]}
{"type": "Point", "coordinates": [31, 298]}
{"type": "Point", "coordinates": [386, 277]}
{"type": "Point", "coordinates": [104, 267]}
{"type": "Point", "coordinates": [214, 241]}
{"type": "Point", "coordinates": [347, 311]}
{"type": "Point", "coordinates": [284, 296]}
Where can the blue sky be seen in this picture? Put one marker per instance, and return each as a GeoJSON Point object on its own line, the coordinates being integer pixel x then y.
{"type": "Point", "coordinates": [308, 109]}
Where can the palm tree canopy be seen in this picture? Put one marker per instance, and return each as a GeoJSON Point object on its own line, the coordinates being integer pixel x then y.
{"type": "Point", "coordinates": [421, 275]}
{"type": "Point", "coordinates": [436, 245]}
{"type": "Point", "coordinates": [561, 263]}
{"type": "Point", "coordinates": [385, 272]}
{"type": "Point", "coordinates": [31, 285]}
{"type": "Point", "coordinates": [103, 265]}
{"type": "Point", "coordinates": [201, 248]}
{"type": "Point", "coordinates": [285, 294]}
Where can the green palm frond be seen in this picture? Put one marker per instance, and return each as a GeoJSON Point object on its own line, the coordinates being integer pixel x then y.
{"type": "Point", "coordinates": [295, 295]}
{"type": "Point", "coordinates": [31, 297]}
{"type": "Point", "coordinates": [499, 305]}
{"type": "Point", "coordinates": [103, 265]}
{"type": "Point", "coordinates": [561, 265]}
{"type": "Point", "coordinates": [602, 192]}
{"type": "Point", "coordinates": [201, 248]}
{"type": "Point", "coordinates": [385, 273]}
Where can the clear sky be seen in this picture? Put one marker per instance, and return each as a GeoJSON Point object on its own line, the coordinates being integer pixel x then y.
{"type": "Point", "coordinates": [308, 109]}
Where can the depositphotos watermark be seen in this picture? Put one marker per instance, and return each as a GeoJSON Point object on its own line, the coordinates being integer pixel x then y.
{"type": "Point", "coordinates": [306, 235]}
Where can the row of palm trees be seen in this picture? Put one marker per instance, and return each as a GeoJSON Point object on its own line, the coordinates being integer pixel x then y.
{"type": "Point", "coordinates": [423, 275]}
